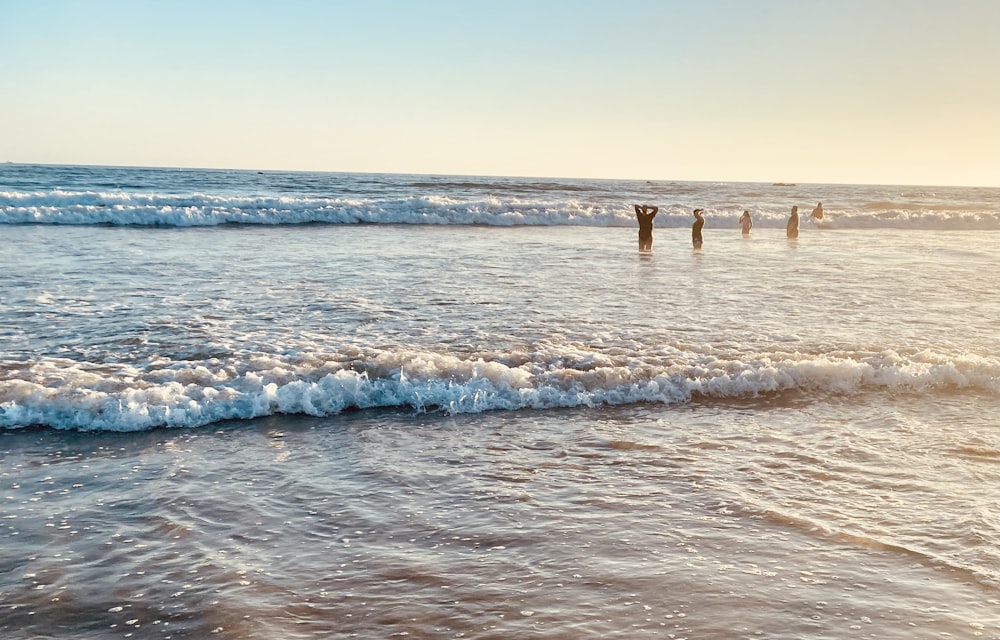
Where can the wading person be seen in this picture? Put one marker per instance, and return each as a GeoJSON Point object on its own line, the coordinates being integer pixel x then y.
{"type": "Point", "coordinates": [645, 214]}
{"type": "Point", "coordinates": [699, 222]}
{"type": "Point", "coordinates": [792, 228]}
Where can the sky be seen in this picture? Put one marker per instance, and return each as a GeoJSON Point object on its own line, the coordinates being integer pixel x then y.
{"type": "Point", "coordinates": [900, 92]}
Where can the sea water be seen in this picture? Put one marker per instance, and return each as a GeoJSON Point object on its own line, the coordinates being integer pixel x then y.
{"type": "Point", "coordinates": [246, 404]}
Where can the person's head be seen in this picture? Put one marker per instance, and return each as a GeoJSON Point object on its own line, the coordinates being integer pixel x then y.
{"type": "Point", "coordinates": [795, 209]}
{"type": "Point", "coordinates": [746, 212]}
{"type": "Point", "coordinates": [698, 213]}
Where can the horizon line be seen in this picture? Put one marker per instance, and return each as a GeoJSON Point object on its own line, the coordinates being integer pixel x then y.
{"type": "Point", "coordinates": [483, 175]}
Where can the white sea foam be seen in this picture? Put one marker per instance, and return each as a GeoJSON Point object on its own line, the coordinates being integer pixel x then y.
{"type": "Point", "coordinates": [68, 394]}
{"type": "Point", "coordinates": [61, 207]}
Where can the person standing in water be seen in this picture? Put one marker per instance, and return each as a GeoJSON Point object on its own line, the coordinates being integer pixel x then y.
{"type": "Point", "coordinates": [792, 228]}
{"type": "Point", "coordinates": [818, 211]}
{"type": "Point", "coordinates": [699, 222]}
{"type": "Point", "coordinates": [746, 223]}
{"type": "Point", "coordinates": [645, 214]}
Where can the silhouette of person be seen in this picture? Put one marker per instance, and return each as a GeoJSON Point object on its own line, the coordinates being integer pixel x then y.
{"type": "Point", "coordinates": [645, 214]}
{"type": "Point", "coordinates": [792, 228]}
{"type": "Point", "coordinates": [699, 222]}
{"type": "Point", "coordinates": [746, 223]}
{"type": "Point", "coordinates": [818, 211]}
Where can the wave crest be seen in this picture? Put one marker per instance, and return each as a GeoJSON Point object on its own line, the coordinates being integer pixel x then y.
{"type": "Point", "coordinates": [120, 208]}
{"type": "Point", "coordinates": [66, 394]}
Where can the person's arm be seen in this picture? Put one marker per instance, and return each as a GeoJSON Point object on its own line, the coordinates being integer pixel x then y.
{"type": "Point", "coordinates": [638, 210]}
{"type": "Point", "coordinates": [655, 209]}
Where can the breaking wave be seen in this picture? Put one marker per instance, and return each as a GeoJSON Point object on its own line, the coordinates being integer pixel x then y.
{"type": "Point", "coordinates": [67, 394]}
{"type": "Point", "coordinates": [537, 207]}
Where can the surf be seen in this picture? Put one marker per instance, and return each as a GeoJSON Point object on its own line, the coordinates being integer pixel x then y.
{"type": "Point", "coordinates": [67, 394]}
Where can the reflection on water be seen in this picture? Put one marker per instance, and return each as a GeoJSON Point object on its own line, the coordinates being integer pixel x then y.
{"type": "Point", "coordinates": [700, 521]}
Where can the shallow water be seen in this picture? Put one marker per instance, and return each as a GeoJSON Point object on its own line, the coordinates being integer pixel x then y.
{"type": "Point", "coordinates": [755, 519]}
{"type": "Point", "coordinates": [472, 429]}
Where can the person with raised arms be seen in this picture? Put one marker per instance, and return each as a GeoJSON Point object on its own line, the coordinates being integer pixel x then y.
{"type": "Point", "coordinates": [645, 214]}
{"type": "Point", "coordinates": [699, 222]}
{"type": "Point", "coordinates": [746, 222]}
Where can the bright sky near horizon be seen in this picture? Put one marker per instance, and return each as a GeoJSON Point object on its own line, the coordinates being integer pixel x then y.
{"type": "Point", "coordinates": [828, 91]}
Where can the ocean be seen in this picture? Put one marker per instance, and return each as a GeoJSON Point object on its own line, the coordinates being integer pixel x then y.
{"type": "Point", "coordinates": [276, 405]}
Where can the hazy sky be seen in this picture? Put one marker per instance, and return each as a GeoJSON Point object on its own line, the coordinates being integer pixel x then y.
{"type": "Point", "coordinates": [855, 91]}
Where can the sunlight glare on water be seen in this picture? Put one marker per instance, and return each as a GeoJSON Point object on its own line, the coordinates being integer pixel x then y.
{"type": "Point", "coordinates": [251, 406]}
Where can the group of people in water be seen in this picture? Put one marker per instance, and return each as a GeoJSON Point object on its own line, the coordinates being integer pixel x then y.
{"type": "Point", "coordinates": [645, 214]}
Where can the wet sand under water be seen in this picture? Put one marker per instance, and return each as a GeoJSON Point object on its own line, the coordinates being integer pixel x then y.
{"type": "Point", "coordinates": [740, 520]}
